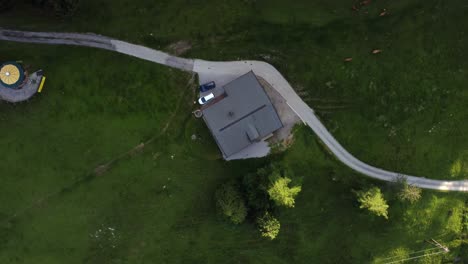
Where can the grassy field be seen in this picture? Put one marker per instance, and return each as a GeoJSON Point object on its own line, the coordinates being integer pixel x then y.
{"type": "Point", "coordinates": [403, 109]}
{"type": "Point", "coordinates": [409, 101]}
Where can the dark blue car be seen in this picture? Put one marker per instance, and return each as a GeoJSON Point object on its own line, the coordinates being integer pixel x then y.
{"type": "Point", "coordinates": [207, 86]}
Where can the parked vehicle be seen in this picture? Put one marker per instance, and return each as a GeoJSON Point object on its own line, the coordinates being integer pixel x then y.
{"type": "Point", "coordinates": [207, 86]}
{"type": "Point", "coordinates": [203, 100]}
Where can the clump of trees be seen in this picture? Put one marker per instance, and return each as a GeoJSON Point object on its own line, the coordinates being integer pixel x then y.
{"type": "Point", "coordinates": [257, 196]}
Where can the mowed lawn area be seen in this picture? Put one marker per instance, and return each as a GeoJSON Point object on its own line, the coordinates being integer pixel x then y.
{"type": "Point", "coordinates": [402, 109]}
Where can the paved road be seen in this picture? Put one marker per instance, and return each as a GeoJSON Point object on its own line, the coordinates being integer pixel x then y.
{"type": "Point", "coordinates": [212, 70]}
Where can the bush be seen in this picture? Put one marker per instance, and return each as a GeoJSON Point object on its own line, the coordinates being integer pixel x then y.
{"type": "Point", "coordinates": [269, 226]}
{"type": "Point", "coordinates": [230, 203]}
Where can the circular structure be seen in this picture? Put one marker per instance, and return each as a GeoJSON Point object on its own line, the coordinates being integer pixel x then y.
{"type": "Point", "coordinates": [11, 75]}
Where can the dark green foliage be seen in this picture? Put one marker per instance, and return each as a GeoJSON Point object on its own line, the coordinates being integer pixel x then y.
{"type": "Point", "coordinates": [231, 203]}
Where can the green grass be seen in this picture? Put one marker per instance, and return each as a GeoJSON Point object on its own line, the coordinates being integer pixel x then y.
{"type": "Point", "coordinates": [403, 109]}
{"type": "Point", "coordinates": [409, 101]}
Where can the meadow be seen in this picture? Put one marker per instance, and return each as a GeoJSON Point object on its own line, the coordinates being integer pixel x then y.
{"type": "Point", "coordinates": [79, 187]}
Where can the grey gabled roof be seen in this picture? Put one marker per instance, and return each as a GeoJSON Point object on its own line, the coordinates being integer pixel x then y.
{"type": "Point", "coordinates": [243, 116]}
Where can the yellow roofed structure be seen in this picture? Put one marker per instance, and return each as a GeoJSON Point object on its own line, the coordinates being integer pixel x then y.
{"type": "Point", "coordinates": [11, 75]}
{"type": "Point", "coordinates": [15, 86]}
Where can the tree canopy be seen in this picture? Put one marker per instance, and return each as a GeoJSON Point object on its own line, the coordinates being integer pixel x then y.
{"type": "Point", "coordinates": [280, 192]}
{"type": "Point", "coordinates": [269, 226]}
{"type": "Point", "coordinates": [408, 192]}
{"type": "Point", "coordinates": [231, 204]}
{"type": "Point", "coordinates": [373, 201]}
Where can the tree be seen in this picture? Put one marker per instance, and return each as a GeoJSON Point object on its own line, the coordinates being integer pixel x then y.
{"type": "Point", "coordinates": [374, 201]}
{"type": "Point", "coordinates": [408, 192]}
{"type": "Point", "coordinates": [230, 202]}
{"type": "Point", "coordinates": [254, 186]}
{"type": "Point", "coordinates": [269, 226]}
{"type": "Point", "coordinates": [280, 192]}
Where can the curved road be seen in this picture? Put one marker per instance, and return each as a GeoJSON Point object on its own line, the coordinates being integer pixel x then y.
{"type": "Point", "coordinates": [208, 69]}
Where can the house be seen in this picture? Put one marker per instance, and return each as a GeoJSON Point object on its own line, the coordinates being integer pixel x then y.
{"type": "Point", "coordinates": [242, 115]}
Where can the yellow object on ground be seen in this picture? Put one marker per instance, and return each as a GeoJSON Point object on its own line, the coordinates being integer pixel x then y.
{"type": "Point", "coordinates": [42, 84]}
{"type": "Point", "coordinates": [10, 74]}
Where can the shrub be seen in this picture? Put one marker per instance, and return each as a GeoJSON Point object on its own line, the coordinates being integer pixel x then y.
{"type": "Point", "coordinates": [269, 226]}
{"type": "Point", "coordinates": [230, 203]}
